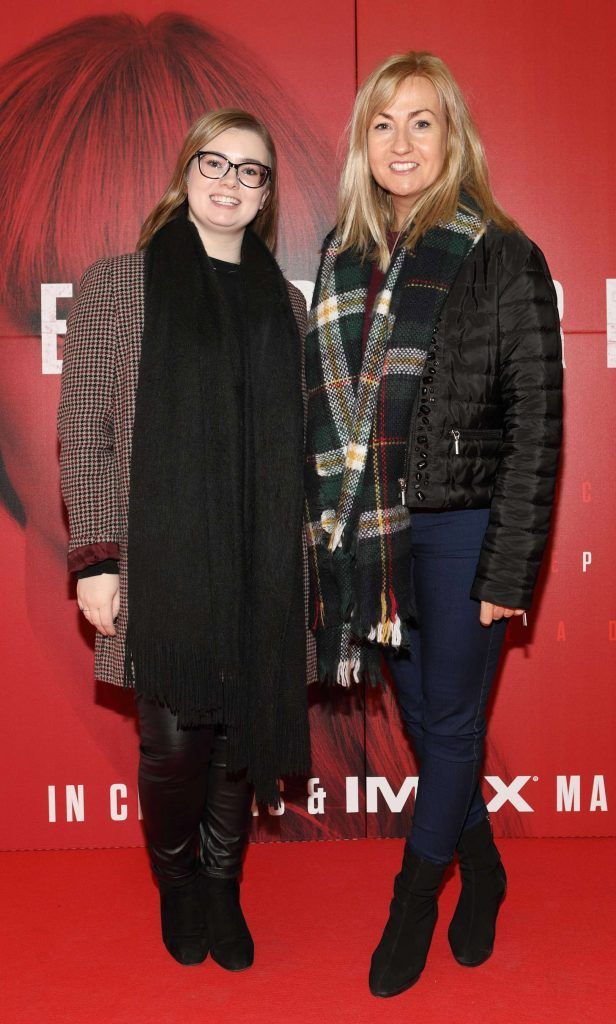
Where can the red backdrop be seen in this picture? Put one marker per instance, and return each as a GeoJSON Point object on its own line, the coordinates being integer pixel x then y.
{"type": "Point", "coordinates": [539, 85]}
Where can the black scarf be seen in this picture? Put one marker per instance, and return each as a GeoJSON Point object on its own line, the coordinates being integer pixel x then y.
{"type": "Point", "coordinates": [215, 610]}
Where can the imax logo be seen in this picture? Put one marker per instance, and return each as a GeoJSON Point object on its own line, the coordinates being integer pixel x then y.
{"type": "Point", "coordinates": [377, 786]}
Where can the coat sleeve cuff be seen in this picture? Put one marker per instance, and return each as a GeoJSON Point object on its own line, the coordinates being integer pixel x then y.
{"type": "Point", "coordinates": [81, 558]}
{"type": "Point", "coordinates": [488, 590]}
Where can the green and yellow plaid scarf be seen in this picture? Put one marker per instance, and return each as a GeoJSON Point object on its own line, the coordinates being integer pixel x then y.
{"type": "Point", "coordinates": [359, 414]}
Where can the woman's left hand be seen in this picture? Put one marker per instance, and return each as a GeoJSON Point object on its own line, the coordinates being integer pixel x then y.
{"type": "Point", "coordinates": [494, 612]}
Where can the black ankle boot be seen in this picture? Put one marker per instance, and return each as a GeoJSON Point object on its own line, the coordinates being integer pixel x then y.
{"type": "Point", "coordinates": [224, 833]}
{"type": "Point", "coordinates": [400, 956]}
{"type": "Point", "coordinates": [183, 922]}
{"type": "Point", "coordinates": [231, 944]}
{"type": "Point", "coordinates": [471, 932]}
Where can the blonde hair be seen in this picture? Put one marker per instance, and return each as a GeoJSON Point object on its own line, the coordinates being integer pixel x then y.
{"type": "Point", "coordinates": [365, 209]}
{"type": "Point", "coordinates": [199, 136]}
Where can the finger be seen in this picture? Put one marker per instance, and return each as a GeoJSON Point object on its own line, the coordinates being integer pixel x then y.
{"type": "Point", "coordinates": [508, 612]}
{"type": "Point", "coordinates": [518, 611]}
{"type": "Point", "coordinates": [498, 613]}
{"type": "Point", "coordinates": [106, 627]}
{"type": "Point", "coordinates": [485, 615]}
{"type": "Point", "coordinates": [96, 620]}
{"type": "Point", "coordinates": [115, 605]}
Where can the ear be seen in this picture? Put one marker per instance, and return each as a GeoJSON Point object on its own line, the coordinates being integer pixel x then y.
{"type": "Point", "coordinates": [264, 199]}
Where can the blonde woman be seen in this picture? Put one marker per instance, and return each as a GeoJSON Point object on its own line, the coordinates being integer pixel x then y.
{"type": "Point", "coordinates": [188, 354]}
{"type": "Point", "coordinates": [434, 423]}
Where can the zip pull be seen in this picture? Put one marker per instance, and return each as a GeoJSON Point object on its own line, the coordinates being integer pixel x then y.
{"type": "Point", "coordinates": [402, 483]}
{"type": "Point", "coordinates": [456, 441]}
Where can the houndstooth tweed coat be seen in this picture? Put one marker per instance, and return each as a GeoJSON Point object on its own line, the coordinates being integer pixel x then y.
{"type": "Point", "coordinates": [101, 356]}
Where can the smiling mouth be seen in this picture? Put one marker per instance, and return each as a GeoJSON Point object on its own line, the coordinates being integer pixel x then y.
{"type": "Point", "coordinates": [225, 200]}
{"type": "Point", "coordinates": [402, 168]}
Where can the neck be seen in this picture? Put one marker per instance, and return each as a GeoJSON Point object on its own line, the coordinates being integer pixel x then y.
{"type": "Point", "coordinates": [401, 218]}
{"type": "Point", "coordinates": [221, 246]}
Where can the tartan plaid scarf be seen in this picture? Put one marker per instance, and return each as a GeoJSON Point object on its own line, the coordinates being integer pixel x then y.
{"type": "Point", "coordinates": [359, 414]}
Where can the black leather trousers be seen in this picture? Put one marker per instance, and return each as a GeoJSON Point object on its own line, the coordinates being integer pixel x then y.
{"type": "Point", "coordinates": [196, 815]}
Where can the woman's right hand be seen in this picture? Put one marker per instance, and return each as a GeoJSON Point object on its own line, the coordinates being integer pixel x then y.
{"type": "Point", "coordinates": [98, 598]}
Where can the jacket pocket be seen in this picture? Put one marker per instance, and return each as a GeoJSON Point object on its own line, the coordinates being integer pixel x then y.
{"type": "Point", "coordinates": [459, 437]}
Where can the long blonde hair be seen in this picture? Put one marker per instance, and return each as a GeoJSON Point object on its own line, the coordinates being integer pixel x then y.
{"type": "Point", "coordinates": [365, 209]}
{"type": "Point", "coordinates": [199, 136]}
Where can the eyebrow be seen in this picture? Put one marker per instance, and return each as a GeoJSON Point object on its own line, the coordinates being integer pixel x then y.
{"type": "Point", "coordinates": [242, 160]}
{"type": "Point", "coordinates": [413, 113]}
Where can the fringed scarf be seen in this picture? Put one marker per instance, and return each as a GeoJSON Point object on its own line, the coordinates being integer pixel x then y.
{"type": "Point", "coordinates": [359, 413]}
{"type": "Point", "coordinates": [215, 610]}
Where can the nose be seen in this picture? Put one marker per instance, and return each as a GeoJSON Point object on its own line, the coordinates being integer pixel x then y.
{"type": "Point", "coordinates": [231, 182]}
{"type": "Point", "coordinates": [402, 142]}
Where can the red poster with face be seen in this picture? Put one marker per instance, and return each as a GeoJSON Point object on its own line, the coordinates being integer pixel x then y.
{"type": "Point", "coordinates": [94, 103]}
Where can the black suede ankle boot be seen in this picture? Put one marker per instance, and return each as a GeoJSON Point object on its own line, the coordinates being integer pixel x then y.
{"type": "Point", "coordinates": [183, 922]}
{"type": "Point", "coordinates": [471, 932]}
{"type": "Point", "coordinates": [400, 956]}
{"type": "Point", "coordinates": [231, 944]}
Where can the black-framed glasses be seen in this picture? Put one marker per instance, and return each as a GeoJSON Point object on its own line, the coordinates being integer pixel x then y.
{"type": "Point", "coordinates": [249, 172]}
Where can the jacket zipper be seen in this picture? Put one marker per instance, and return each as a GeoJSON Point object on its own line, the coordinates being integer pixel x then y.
{"type": "Point", "coordinates": [407, 455]}
{"type": "Point", "coordinates": [470, 435]}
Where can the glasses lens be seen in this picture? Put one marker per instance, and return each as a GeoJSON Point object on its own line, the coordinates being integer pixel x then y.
{"type": "Point", "coordinates": [253, 175]}
{"type": "Point", "coordinates": [212, 165]}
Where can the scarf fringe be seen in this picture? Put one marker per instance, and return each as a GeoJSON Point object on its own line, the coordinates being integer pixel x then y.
{"type": "Point", "coordinates": [184, 677]}
{"type": "Point", "coordinates": [195, 687]}
{"type": "Point", "coordinates": [336, 537]}
{"type": "Point", "coordinates": [388, 633]}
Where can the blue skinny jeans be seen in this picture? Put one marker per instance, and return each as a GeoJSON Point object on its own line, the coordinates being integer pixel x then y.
{"type": "Point", "coordinates": [444, 684]}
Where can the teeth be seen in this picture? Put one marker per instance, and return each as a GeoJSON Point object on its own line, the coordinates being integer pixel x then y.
{"type": "Point", "coordinates": [225, 200]}
{"type": "Point", "coordinates": [404, 167]}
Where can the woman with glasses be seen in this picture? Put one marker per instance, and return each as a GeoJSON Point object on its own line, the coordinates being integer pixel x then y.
{"type": "Point", "coordinates": [181, 428]}
{"type": "Point", "coordinates": [434, 378]}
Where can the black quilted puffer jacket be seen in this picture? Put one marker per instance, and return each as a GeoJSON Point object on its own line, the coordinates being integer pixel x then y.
{"type": "Point", "coordinates": [487, 428]}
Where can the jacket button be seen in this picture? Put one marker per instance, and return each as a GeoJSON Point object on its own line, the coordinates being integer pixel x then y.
{"type": "Point", "coordinates": [422, 439]}
{"type": "Point", "coordinates": [424, 409]}
{"type": "Point", "coordinates": [424, 391]}
{"type": "Point", "coordinates": [424, 419]}
{"type": "Point", "coordinates": [424, 455]}
{"type": "Point", "coordinates": [420, 496]}
{"type": "Point", "coordinates": [422, 464]}
{"type": "Point", "coordinates": [418, 476]}
{"type": "Point", "coordinates": [427, 380]}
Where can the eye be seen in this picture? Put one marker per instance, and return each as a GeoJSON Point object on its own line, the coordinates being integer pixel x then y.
{"type": "Point", "coordinates": [251, 171]}
{"type": "Point", "coordinates": [212, 160]}
{"type": "Point", "coordinates": [381, 125]}
{"type": "Point", "coordinates": [422, 124]}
